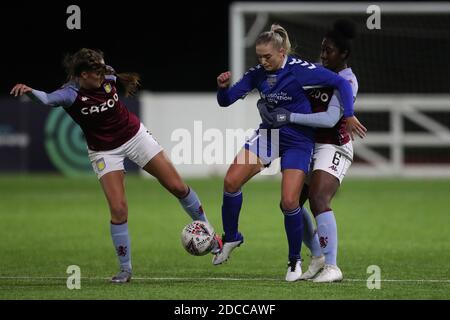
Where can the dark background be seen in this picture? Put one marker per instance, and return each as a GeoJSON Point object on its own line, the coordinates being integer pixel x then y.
{"type": "Point", "coordinates": [178, 46]}
{"type": "Point", "coordinates": [183, 46]}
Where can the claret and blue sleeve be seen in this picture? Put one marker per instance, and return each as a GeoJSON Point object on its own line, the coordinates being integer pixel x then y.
{"type": "Point", "coordinates": [62, 97]}
{"type": "Point", "coordinates": [324, 77]}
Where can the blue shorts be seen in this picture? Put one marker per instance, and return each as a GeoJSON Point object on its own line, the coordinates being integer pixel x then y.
{"type": "Point", "coordinates": [269, 148]}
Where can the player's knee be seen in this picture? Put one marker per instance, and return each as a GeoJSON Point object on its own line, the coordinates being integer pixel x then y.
{"type": "Point", "coordinates": [319, 203]}
{"type": "Point", "coordinates": [231, 184]}
{"type": "Point", "coordinates": [289, 202]}
{"type": "Point", "coordinates": [119, 212]}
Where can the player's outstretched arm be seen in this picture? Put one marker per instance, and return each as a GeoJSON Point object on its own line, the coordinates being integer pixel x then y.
{"type": "Point", "coordinates": [62, 97]}
{"type": "Point", "coordinates": [325, 119]}
{"type": "Point", "coordinates": [281, 116]}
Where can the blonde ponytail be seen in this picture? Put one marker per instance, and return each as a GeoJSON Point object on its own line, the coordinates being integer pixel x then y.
{"type": "Point", "coordinates": [278, 36]}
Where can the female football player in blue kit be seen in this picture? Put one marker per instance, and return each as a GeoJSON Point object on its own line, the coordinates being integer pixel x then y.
{"type": "Point", "coordinates": [333, 152]}
{"type": "Point", "coordinates": [280, 79]}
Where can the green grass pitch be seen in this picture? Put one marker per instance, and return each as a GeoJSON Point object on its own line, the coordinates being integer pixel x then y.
{"type": "Point", "coordinates": [50, 222]}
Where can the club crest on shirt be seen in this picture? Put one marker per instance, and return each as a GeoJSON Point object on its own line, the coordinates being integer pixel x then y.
{"type": "Point", "coordinates": [271, 80]}
{"type": "Point", "coordinates": [107, 87]}
{"type": "Point", "coordinates": [100, 164]}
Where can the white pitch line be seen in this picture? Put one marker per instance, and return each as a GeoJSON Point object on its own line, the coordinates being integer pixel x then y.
{"type": "Point", "coordinates": [400, 280]}
{"type": "Point", "coordinates": [216, 279]}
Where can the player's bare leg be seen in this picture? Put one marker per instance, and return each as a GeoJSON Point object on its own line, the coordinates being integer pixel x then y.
{"type": "Point", "coordinates": [322, 190]}
{"type": "Point", "coordinates": [291, 186]}
{"type": "Point", "coordinates": [113, 184]}
{"type": "Point", "coordinates": [245, 165]}
{"type": "Point", "coordinates": [162, 169]}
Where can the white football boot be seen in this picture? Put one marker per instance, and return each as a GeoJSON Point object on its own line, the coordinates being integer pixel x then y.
{"type": "Point", "coordinates": [227, 247]}
{"type": "Point", "coordinates": [123, 276]}
{"type": "Point", "coordinates": [315, 265]}
{"type": "Point", "coordinates": [294, 270]}
{"type": "Point", "coordinates": [329, 273]}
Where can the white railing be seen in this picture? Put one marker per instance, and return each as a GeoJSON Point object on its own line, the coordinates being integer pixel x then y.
{"type": "Point", "coordinates": [164, 114]}
{"type": "Point", "coordinates": [400, 107]}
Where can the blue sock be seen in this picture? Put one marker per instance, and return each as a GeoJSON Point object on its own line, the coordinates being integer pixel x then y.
{"type": "Point", "coordinates": [293, 224]}
{"type": "Point", "coordinates": [191, 204]}
{"type": "Point", "coordinates": [327, 230]}
{"type": "Point", "coordinates": [310, 237]}
{"type": "Point", "coordinates": [231, 207]}
{"type": "Point", "coordinates": [121, 241]}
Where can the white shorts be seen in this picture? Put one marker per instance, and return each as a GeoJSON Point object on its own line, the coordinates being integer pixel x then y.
{"type": "Point", "coordinates": [332, 159]}
{"type": "Point", "coordinates": [140, 149]}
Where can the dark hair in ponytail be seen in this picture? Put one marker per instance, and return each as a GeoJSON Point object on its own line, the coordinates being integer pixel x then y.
{"type": "Point", "coordinates": [130, 82]}
{"type": "Point", "coordinates": [342, 34]}
{"type": "Point", "coordinates": [91, 60]}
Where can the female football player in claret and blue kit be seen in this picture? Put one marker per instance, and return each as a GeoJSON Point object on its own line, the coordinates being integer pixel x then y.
{"type": "Point", "coordinates": [280, 79]}
{"type": "Point", "coordinates": [113, 133]}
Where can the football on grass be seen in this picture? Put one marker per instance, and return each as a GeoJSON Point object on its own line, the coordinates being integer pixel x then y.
{"type": "Point", "coordinates": [198, 238]}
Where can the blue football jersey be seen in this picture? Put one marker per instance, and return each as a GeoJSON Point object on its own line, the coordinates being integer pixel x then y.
{"type": "Point", "coordinates": [285, 88]}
